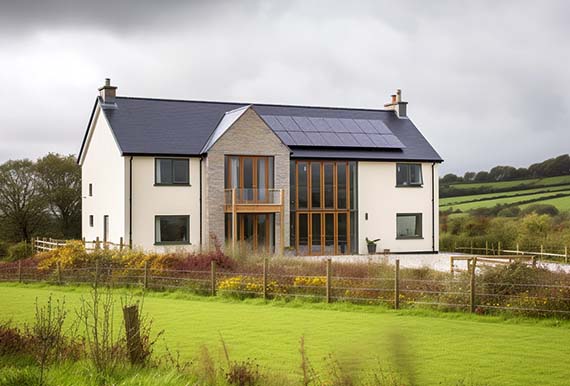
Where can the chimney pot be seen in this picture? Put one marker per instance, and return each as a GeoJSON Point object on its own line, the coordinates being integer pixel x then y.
{"type": "Point", "coordinates": [393, 98]}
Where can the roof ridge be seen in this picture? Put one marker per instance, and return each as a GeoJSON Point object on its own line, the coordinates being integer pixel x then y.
{"type": "Point", "coordinates": [255, 104]}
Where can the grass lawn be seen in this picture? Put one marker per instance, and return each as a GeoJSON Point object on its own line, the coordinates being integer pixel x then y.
{"type": "Point", "coordinates": [439, 348]}
{"type": "Point", "coordinates": [561, 203]}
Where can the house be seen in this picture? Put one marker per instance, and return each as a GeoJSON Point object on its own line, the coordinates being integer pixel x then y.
{"type": "Point", "coordinates": [165, 174]}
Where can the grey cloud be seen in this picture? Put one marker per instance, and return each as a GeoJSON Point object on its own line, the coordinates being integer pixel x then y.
{"type": "Point", "coordinates": [486, 81]}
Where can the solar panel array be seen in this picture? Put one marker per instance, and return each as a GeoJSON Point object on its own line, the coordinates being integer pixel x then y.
{"type": "Point", "coordinates": [332, 132]}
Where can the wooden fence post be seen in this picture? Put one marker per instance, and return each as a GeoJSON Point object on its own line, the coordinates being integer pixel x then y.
{"type": "Point", "coordinates": [265, 278]}
{"type": "Point", "coordinates": [19, 271]}
{"type": "Point", "coordinates": [499, 248]}
{"type": "Point", "coordinates": [84, 242]}
{"type": "Point", "coordinates": [213, 278]}
{"type": "Point", "coordinates": [121, 244]}
{"type": "Point", "coordinates": [96, 281]}
{"type": "Point", "coordinates": [541, 252]}
{"type": "Point", "coordinates": [397, 284]}
{"type": "Point", "coordinates": [566, 254]}
{"type": "Point", "coordinates": [58, 266]}
{"type": "Point", "coordinates": [517, 248]}
{"type": "Point", "coordinates": [451, 270]}
{"type": "Point", "coordinates": [328, 284]}
{"type": "Point", "coordinates": [97, 245]}
{"type": "Point", "coordinates": [132, 328]}
{"type": "Point", "coordinates": [472, 286]}
{"type": "Point", "coordinates": [145, 279]}
{"type": "Point", "coordinates": [486, 247]}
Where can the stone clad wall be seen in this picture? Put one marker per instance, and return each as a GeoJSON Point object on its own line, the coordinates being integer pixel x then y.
{"type": "Point", "coordinates": [249, 135]}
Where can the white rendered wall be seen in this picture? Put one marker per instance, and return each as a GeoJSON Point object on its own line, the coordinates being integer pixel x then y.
{"type": "Point", "coordinates": [150, 201]}
{"type": "Point", "coordinates": [382, 200]}
{"type": "Point", "coordinates": [104, 168]}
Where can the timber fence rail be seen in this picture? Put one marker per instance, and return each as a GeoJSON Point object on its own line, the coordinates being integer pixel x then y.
{"type": "Point", "coordinates": [498, 249]}
{"type": "Point", "coordinates": [45, 244]}
{"type": "Point", "coordinates": [393, 287]}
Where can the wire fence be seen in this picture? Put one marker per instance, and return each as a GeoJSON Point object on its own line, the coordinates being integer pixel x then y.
{"type": "Point", "coordinates": [392, 287]}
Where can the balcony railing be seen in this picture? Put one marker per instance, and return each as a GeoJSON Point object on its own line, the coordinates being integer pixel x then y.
{"type": "Point", "coordinates": [249, 196]}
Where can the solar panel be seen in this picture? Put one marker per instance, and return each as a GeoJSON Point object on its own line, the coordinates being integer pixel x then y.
{"type": "Point", "coordinates": [366, 126]}
{"type": "Point", "coordinates": [288, 123]}
{"type": "Point", "coordinates": [332, 132]}
{"type": "Point", "coordinates": [335, 124]}
{"type": "Point", "coordinates": [363, 140]}
{"type": "Point", "coordinates": [380, 126]}
{"type": "Point", "coordinates": [350, 125]}
{"type": "Point", "coordinates": [305, 124]}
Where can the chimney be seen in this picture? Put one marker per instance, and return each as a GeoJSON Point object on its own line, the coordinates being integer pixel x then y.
{"type": "Point", "coordinates": [397, 105]}
{"type": "Point", "coordinates": [108, 92]}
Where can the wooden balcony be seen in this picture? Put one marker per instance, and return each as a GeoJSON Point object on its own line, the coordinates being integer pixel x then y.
{"type": "Point", "coordinates": [246, 200]}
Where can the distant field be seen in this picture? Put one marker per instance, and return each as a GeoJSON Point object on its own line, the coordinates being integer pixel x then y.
{"type": "Point", "coordinates": [540, 191]}
{"type": "Point", "coordinates": [509, 184]}
{"type": "Point", "coordinates": [562, 203]}
{"type": "Point", "coordinates": [461, 199]}
{"type": "Point", "coordinates": [542, 197]}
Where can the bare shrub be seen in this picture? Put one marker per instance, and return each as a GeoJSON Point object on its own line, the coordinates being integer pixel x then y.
{"type": "Point", "coordinates": [244, 373]}
{"type": "Point", "coordinates": [104, 346]}
{"type": "Point", "coordinates": [47, 331]}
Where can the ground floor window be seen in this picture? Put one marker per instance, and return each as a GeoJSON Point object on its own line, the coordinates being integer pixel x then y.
{"type": "Point", "coordinates": [409, 225]}
{"type": "Point", "coordinates": [172, 229]}
{"type": "Point", "coordinates": [255, 232]}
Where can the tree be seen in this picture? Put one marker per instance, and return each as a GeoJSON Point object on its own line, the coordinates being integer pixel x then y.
{"type": "Point", "coordinates": [22, 206]}
{"type": "Point", "coordinates": [482, 177]}
{"type": "Point", "coordinates": [469, 176]}
{"type": "Point", "coordinates": [60, 183]}
{"type": "Point", "coordinates": [450, 178]}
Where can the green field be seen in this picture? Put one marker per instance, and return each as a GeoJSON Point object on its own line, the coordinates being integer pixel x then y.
{"type": "Point", "coordinates": [447, 201]}
{"type": "Point", "coordinates": [540, 190]}
{"type": "Point", "coordinates": [508, 200]}
{"type": "Point", "coordinates": [439, 348]}
{"type": "Point", "coordinates": [509, 184]}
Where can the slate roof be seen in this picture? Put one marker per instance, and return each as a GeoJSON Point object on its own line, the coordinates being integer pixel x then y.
{"type": "Point", "coordinates": [144, 126]}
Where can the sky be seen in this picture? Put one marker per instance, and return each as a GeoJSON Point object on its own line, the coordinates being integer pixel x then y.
{"type": "Point", "coordinates": [487, 81]}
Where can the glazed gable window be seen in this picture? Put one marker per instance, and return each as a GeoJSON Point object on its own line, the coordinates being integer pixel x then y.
{"type": "Point", "coordinates": [409, 175]}
{"type": "Point", "coordinates": [171, 171]}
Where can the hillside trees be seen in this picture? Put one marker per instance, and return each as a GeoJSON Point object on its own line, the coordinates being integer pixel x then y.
{"type": "Point", "coordinates": [42, 197]}
{"type": "Point", "coordinates": [60, 182]}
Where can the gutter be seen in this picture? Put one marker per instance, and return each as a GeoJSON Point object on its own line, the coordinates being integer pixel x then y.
{"type": "Point", "coordinates": [432, 208]}
{"type": "Point", "coordinates": [201, 219]}
{"type": "Point", "coordinates": [131, 203]}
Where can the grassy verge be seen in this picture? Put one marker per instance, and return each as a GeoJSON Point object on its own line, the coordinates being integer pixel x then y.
{"type": "Point", "coordinates": [430, 347]}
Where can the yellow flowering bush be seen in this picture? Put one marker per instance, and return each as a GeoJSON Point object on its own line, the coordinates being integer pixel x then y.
{"type": "Point", "coordinates": [71, 255]}
{"type": "Point", "coordinates": [249, 286]}
{"type": "Point", "coordinates": [310, 281]}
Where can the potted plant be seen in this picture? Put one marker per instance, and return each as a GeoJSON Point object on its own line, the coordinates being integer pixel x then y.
{"type": "Point", "coordinates": [371, 245]}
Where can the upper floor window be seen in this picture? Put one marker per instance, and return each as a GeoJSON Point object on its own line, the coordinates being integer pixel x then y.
{"type": "Point", "coordinates": [172, 171]}
{"type": "Point", "coordinates": [409, 175]}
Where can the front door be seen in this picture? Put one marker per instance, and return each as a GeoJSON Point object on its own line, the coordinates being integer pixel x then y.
{"type": "Point", "coordinates": [256, 232]}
